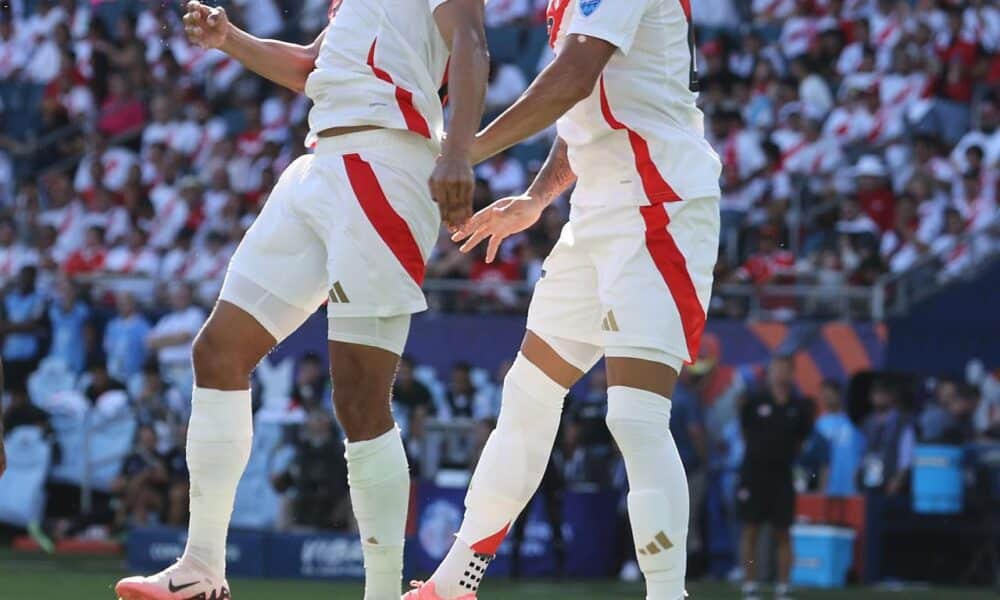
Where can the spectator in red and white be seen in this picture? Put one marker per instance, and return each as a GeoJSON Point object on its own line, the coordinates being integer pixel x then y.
{"type": "Point", "coordinates": [14, 254]}
{"type": "Point", "coordinates": [171, 211]}
{"type": "Point", "coordinates": [986, 136]}
{"type": "Point", "coordinates": [771, 263]}
{"type": "Point", "coordinates": [209, 266]}
{"type": "Point", "coordinates": [122, 112]}
{"type": "Point", "coordinates": [89, 258]}
{"type": "Point", "coordinates": [901, 247]}
{"type": "Point", "coordinates": [178, 260]}
{"type": "Point", "coordinates": [133, 257]}
{"type": "Point", "coordinates": [103, 212]}
{"type": "Point", "coordinates": [13, 51]}
{"type": "Point", "coordinates": [115, 162]}
{"type": "Point", "coordinates": [874, 194]}
{"type": "Point", "coordinates": [65, 214]}
{"type": "Point", "coordinates": [771, 11]}
{"type": "Point", "coordinates": [854, 221]}
{"type": "Point", "coordinates": [975, 198]}
{"type": "Point", "coordinates": [949, 247]}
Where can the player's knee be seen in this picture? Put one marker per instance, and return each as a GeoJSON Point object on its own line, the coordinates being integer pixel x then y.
{"type": "Point", "coordinates": [638, 420]}
{"type": "Point", "coordinates": [218, 361]}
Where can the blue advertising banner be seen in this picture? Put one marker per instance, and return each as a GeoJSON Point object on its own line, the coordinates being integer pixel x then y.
{"type": "Point", "coordinates": [316, 556]}
{"type": "Point", "coordinates": [156, 548]}
{"type": "Point", "coordinates": [592, 539]}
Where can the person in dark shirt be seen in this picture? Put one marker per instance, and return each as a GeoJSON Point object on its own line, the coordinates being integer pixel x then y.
{"type": "Point", "coordinates": [317, 476]}
{"type": "Point", "coordinates": [141, 485]}
{"type": "Point", "coordinates": [775, 422]}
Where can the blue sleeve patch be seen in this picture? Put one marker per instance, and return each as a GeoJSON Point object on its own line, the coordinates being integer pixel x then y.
{"type": "Point", "coordinates": [587, 7]}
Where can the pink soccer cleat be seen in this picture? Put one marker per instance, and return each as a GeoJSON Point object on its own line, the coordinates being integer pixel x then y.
{"type": "Point", "coordinates": [427, 591]}
{"type": "Point", "coordinates": [178, 582]}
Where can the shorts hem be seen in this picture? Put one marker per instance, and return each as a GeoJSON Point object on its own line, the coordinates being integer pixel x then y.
{"type": "Point", "coordinates": [258, 315]}
{"type": "Point", "coordinates": [364, 340]}
{"type": "Point", "coordinates": [339, 311]}
{"type": "Point", "coordinates": [610, 340]}
{"type": "Point", "coordinates": [268, 286]}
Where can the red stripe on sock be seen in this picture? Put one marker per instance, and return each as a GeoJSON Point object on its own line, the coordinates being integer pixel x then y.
{"type": "Point", "coordinates": [491, 544]}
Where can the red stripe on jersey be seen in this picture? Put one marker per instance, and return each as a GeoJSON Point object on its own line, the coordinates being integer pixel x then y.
{"type": "Point", "coordinates": [491, 544]}
{"type": "Point", "coordinates": [667, 257]}
{"type": "Point", "coordinates": [686, 6]}
{"type": "Point", "coordinates": [387, 223]}
{"type": "Point", "coordinates": [656, 187]}
{"type": "Point", "coordinates": [672, 265]}
{"type": "Point", "coordinates": [404, 98]}
{"type": "Point", "coordinates": [554, 18]}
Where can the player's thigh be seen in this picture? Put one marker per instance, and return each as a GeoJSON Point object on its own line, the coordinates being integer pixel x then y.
{"type": "Point", "coordinates": [655, 268]}
{"type": "Point", "coordinates": [565, 313]}
{"type": "Point", "coordinates": [278, 273]}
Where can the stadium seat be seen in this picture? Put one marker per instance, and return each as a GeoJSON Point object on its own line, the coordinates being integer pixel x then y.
{"type": "Point", "coordinates": [22, 488]}
{"type": "Point", "coordinates": [94, 441]}
{"type": "Point", "coordinates": [52, 377]}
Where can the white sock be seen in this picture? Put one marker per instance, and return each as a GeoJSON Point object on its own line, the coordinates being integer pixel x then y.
{"type": "Point", "coordinates": [509, 471]}
{"type": "Point", "coordinates": [220, 434]}
{"type": "Point", "coordinates": [380, 495]}
{"type": "Point", "coordinates": [658, 500]}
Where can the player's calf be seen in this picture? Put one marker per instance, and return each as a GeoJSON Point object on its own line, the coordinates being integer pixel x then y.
{"type": "Point", "coordinates": [658, 499]}
{"type": "Point", "coordinates": [378, 472]}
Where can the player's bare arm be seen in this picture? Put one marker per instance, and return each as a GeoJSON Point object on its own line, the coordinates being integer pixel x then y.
{"type": "Point", "coordinates": [508, 216]}
{"type": "Point", "coordinates": [452, 183]}
{"type": "Point", "coordinates": [570, 78]}
{"type": "Point", "coordinates": [288, 65]}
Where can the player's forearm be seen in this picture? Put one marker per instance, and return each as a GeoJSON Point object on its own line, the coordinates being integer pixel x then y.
{"type": "Point", "coordinates": [468, 74]}
{"type": "Point", "coordinates": [288, 65]}
{"type": "Point", "coordinates": [552, 94]}
{"type": "Point", "coordinates": [555, 177]}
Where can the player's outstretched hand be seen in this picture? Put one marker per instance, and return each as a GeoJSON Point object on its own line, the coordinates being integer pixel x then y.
{"type": "Point", "coordinates": [452, 185]}
{"type": "Point", "coordinates": [497, 222]}
{"type": "Point", "coordinates": [205, 26]}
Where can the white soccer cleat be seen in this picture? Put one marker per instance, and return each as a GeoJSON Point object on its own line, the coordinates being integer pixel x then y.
{"type": "Point", "coordinates": [178, 582]}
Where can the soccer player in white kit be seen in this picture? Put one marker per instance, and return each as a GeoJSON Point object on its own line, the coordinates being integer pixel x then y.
{"type": "Point", "coordinates": [630, 277]}
{"type": "Point", "coordinates": [351, 224]}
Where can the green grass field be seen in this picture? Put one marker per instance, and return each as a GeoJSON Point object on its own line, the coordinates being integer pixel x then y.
{"type": "Point", "coordinates": [36, 578]}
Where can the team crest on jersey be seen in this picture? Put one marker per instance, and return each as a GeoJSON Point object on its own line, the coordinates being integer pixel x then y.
{"type": "Point", "coordinates": [587, 7]}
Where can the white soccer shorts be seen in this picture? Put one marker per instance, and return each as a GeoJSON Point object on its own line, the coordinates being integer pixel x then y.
{"type": "Point", "coordinates": [631, 276]}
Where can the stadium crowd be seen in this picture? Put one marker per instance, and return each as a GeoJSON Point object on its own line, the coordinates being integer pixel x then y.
{"type": "Point", "coordinates": [858, 137]}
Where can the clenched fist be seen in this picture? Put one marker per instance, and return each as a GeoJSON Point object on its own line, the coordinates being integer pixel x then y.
{"type": "Point", "coordinates": [205, 26]}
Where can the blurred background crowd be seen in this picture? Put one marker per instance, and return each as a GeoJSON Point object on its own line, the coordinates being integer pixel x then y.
{"type": "Point", "coordinates": [860, 142]}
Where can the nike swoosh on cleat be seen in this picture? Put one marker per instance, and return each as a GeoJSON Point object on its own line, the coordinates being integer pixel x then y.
{"type": "Point", "coordinates": [176, 588]}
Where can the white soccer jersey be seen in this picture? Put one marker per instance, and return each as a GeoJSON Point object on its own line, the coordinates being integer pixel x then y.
{"type": "Point", "coordinates": [642, 120]}
{"type": "Point", "coordinates": [382, 63]}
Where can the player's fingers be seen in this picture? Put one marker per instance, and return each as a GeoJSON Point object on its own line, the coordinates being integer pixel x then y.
{"type": "Point", "coordinates": [478, 221]}
{"type": "Point", "coordinates": [475, 240]}
{"type": "Point", "coordinates": [494, 247]}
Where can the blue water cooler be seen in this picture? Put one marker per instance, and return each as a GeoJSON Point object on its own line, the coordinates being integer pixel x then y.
{"type": "Point", "coordinates": [937, 480]}
{"type": "Point", "coordinates": [823, 555]}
